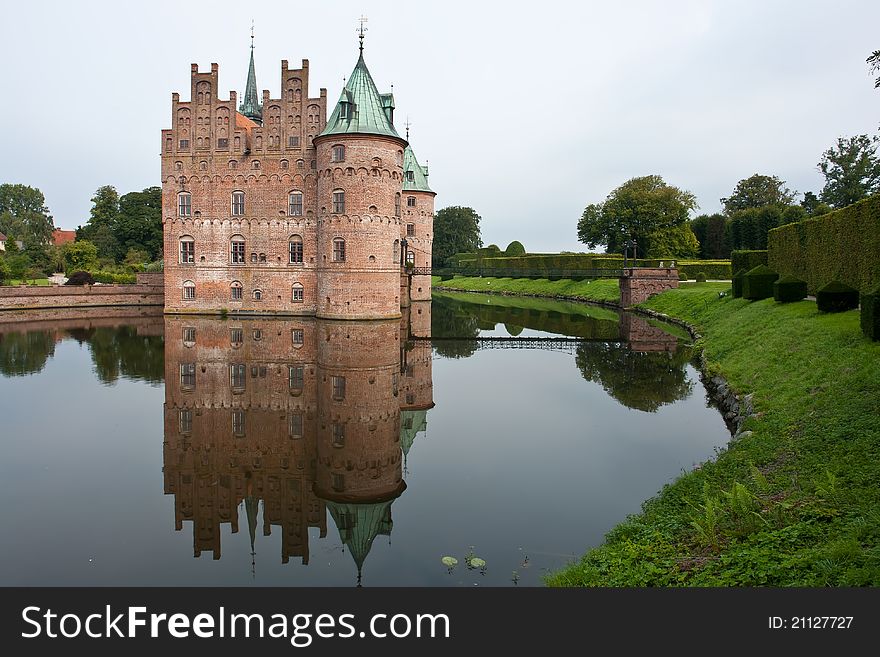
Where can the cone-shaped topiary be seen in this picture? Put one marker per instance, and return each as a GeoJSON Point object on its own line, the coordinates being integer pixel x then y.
{"type": "Point", "coordinates": [758, 283]}
{"type": "Point", "coordinates": [836, 297]}
{"type": "Point", "coordinates": [737, 283]}
{"type": "Point", "coordinates": [870, 316]}
{"type": "Point", "coordinates": [789, 288]}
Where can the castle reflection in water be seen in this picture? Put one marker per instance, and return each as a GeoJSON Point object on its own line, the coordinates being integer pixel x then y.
{"type": "Point", "coordinates": [302, 415]}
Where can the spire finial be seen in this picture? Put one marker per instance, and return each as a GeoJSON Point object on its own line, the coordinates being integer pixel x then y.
{"type": "Point", "coordinates": [363, 19]}
{"type": "Point", "coordinates": [252, 34]}
{"type": "Point", "coordinates": [407, 124]}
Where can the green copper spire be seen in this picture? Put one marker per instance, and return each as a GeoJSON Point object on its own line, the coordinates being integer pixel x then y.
{"type": "Point", "coordinates": [415, 176]}
{"type": "Point", "coordinates": [359, 525]}
{"type": "Point", "coordinates": [250, 106]}
{"type": "Point", "coordinates": [361, 108]}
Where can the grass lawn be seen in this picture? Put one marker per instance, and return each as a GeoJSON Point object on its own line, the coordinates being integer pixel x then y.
{"type": "Point", "coordinates": [605, 289]}
{"type": "Point", "coordinates": [797, 502]}
{"type": "Point", "coordinates": [38, 281]}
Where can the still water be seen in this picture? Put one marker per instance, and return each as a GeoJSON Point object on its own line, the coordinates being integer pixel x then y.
{"type": "Point", "coordinates": [151, 450]}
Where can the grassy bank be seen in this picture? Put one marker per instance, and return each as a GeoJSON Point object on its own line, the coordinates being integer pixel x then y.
{"type": "Point", "coordinates": [796, 502]}
{"type": "Point", "coordinates": [31, 281]}
{"type": "Point", "coordinates": [599, 290]}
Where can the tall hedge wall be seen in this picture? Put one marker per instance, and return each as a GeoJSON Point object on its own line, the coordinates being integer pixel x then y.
{"type": "Point", "coordinates": [842, 245]}
{"type": "Point", "coordinates": [747, 260]}
{"type": "Point", "coordinates": [537, 263]}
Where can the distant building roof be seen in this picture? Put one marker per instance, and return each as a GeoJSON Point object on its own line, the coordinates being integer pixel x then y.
{"type": "Point", "coordinates": [60, 237]}
{"type": "Point", "coordinates": [2, 237]}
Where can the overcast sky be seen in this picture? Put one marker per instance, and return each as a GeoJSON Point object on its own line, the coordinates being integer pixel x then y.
{"type": "Point", "coordinates": [526, 112]}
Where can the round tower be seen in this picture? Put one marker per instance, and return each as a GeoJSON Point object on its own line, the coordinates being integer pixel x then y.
{"type": "Point", "coordinates": [360, 183]}
{"type": "Point", "coordinates": [417, 231]}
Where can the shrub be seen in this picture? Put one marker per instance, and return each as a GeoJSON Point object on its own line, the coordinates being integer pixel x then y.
{"type": "Point", "coordinates": [842, 246]}
{"type": "Point", "coordinates": [870, 316]}
{"type": "Point", "coordinates": [80, 278]}
{"type": "Point", "coordinates": [682, 276]}
{"type": "Point", "coordinates": [836, 297]}
{"type": "Point", "coordinates": [758, 283]}
{"type": "Point", "coordinates": [700, 277]}
{"type": "Point", "coordinates": [747, 260]}
{"type": "Point", "coordinates": [789, 288]}
{"type": "Point", "coordinates": [737, 283]}
{"type": "Point", "coordinates": [515, 248]}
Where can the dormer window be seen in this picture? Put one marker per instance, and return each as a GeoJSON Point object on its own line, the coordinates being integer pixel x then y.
{"type": "Point", "coordinates": [410, 176]}
{"type": "Point", "coordinates": [344, 110]}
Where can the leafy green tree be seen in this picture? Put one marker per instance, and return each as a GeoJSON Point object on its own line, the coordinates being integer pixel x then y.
{"type": "Point", "coordinates": [38, 254]}
{"type": "Point", "coordinates": [100, 228]}
{"type": "Point", "coordinates": [139, 222]}
{"type": "Point", "coordinates": [673, 242]}
{"type": "Point", "coordinates": [747, 229]}
{"type": "Point", "coordinates": [81, 255]}
{"type": "Point", "coordinates": [813, 206]}
{"type": "Point", "coordinates": [24, 215]}
{"type": "Point", "coordinates": [19, 264]}
{"type": "Point", "coordinates": [874, 66]}
{"type": "Point", "coordinates": [757, 191]}
{"type": "Point", "coordinates": [851, 169]}
{"type": "Point", "coordinates": [136, 257]}
{"type": "Point", "coordinates": [5, 272]}
{"type": "Point", "coordinates": [711, 232]}
{"type": "Point", "coordinates": [637, 209]}
{"type": "Point", "coordinates": [456, 230]}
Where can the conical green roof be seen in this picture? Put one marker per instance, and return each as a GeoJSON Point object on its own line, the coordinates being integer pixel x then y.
{"type": "Point", "coordinates": [250, 105]}
{"type": "Point", "coordinates": [361, 108]}
{"type": "Point", "coordinates": [359, 525]}
{"type": "Point", "coordinates": [417, 181]}
{"type": "Point", "coordinates": [411, 423]}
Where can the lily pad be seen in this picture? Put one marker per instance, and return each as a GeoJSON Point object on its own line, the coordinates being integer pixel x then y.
{"type": "Point", "coordinates": [476, 562]}
{"type": "Point", "coordinates": [449, 562]}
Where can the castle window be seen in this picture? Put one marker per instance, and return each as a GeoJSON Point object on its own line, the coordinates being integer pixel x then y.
{"type": "Point", "coordinates": [256, 163]}
{"type": "Point", "coordinates": [300, 164]}
{"type": "Point", "coordinates": [410, 258]}
{"type": "Point", "coordinates": [237, 204]}
{"type": "Point", "coordinates": [178, 166]}
{"type": "Point", "coordinates": [258, 295]}
{"type": "Point", "coordinates": [236, 291]}
{"type": "Point", "coordinates": [237, 376]}
{"type": "Point", "coordinates": [344, 112]}
{"type": "Point", "coordinates": [313, 164]}
{"type": "Point", "coordinates": [189, 290]}
{"type": "Point", "coordinates": [184, 204]}
{"type": "Point", "coordinates": [410, 176]}
{"type": "Point", "coordinates": [298, 293]}
{"type": "Point", "coordinates": [237, 143]}
{"type": "Point", "coordinates": [337, 154]}
{"type": "Point", "coordinates": [410, 201]}
{"type": "Point", "coordinates": [223, 142]}
{"type": "Point", "coordinates": [338, 383]}
{"type": "Point", "coordinates": [233, 164]}
{"type": "Point", "coordinates": [410, 399]}
{"type": "Point", "coordinates": [339, 481]}
{"type": "Point", "coordinates": [262, 257]}
{"type": "Point", "coordinates": [168, 144]}
{"type": "Point", "coordinates": [338, 201]}
{"type": "Point", "coordinates": [187, 250]}
{"type": "Point", "coordinates": [236, 337]}
{"type": "Point", "coordinates": [397, 205]}
{"type": "Point", "coordinates": [410, 230]}
{"type": "Point", "coordinates": [187, 376]}
{"type": "Point", "coordinates": [253, 257]}
{"type": "Point", "coordinates": [238, 424]}
{"type": "Point", "coordinates": [295, 377]}
{"type": "Point", "coordinates": [295, 425]}
{"type": "Point", "coordinates": [338, 250]}
{"type": "Point", "coordinates": [293, 142]}
{"type": "Point", "coordinates": [184, 145]}
{"type": "Point", "coordinates": [285, 164]}
{"type": "Point", "coordinates": [295, 204]}
{"type": "Point", "coordinates": [184, 421]}
{"type": "Point", "coordinates": [400, 158]}
{"type": "Point", "coordinates": [203, 165]}
{"type": "Point", "coordinates": [395, 256]}
{"type": "Point", "coordinates": [189, 336]}
{"type": "Point", "coordinates": [236, 250]}
{"type": "Point", "coordinates": [297, 336]}
{"type": "Point", "coordinates": [338, 441]}
{"type": "Point", "coordinates": [295, 247]}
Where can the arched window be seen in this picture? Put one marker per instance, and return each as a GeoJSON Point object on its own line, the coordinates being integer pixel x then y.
{"type": "Point", "coordinates": [298, 293]}
{"type": "Point", "coordinates": [285, 164]}
{"type": "Point", "coordinates": [236, 250]}
{"type": "Point", "coordinates": [295, 247]}
{"type": "Point", "coordinates": [233, 164]}
{"type": "Point", "coordinates": [397, 205]}
{"type": "Point", "coordinates": [189, 290]}
{"type": "Point", "coordinates": [258, 295]}
{"type": "Point", "coordinates": [295, 204]}
{"type": "Point", "coordinates": [396, 254]}
{"type": "Point", "coordinates": [338, 201]}
{"type": "Point", "coordinates": [184, 204]}
{"type": "Point", "coordinates": [237, 204]}
{"type": "Point", "coordinates": [338, 250]}
{"type": "Point", "coordinates": [187, 250]}
{"type": "Point", "coordinates": [235, 291]}
{"type": "Point", "coordinates": [256, 164]}
{"type": "Point", "coordinates": [337, 154]}
{"type": "Point", "coordinates": [410, 201]}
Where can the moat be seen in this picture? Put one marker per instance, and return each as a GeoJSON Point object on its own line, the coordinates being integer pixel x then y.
{"type": "Point", "coordinates": [164, 450]}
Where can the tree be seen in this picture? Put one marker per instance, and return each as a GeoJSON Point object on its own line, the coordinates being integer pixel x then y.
{"type": "Point", "coordinates": [24, 215]}
{"type": "Point", "coordinates": [80, 255]}
{"type": "Point", "coordinates": [851, 169]}
{"type": "Point", "coordinates": [5, 273]}
{"type": "Point", "coordinates": [757, 191]}
{"type": "Point", "coordinates": [813, 206]}
{"type": "Point", "coordinates": [139, 222]}
{"type": "Point", "coordinates": [456, 230]}
{"type": "Point", "coordinates": [747, 229]}
{"type": "Point", "coordinates": [100, 228]}
{"type": "Point", "coordinates": [673, 242]}
{"type": "Point", "coordinates": [711, 232]}
{"type": "Point", "coordinates": [637, 209]}
{"type": "Point", "coordinates": [874, 66]}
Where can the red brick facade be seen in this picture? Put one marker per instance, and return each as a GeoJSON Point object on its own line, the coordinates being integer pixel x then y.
{"type": "Point", "coordinates": [253, 217]}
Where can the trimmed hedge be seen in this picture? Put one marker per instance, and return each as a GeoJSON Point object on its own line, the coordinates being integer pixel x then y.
{"type": "Point", "coordinates": [789, 288]}
{"type": "Point", "coordinates": [112, 278]}
{"type": "Point", "coordinates": [747, 260]}
{"type": "Point", "coordinates": [836, 297]}
{"type": "Point", "coordinates": [737, 283]}
{"type": "Point", "coordinates": [838, 246]}
{"type": "Point", "coordinates": [870, 315]}
{"type": "Point", "coordinates": [536, 265]}
{"type": "Point", "coordinates": [758, 283]}
{"type": "Point", "coordinates": [515, 248]}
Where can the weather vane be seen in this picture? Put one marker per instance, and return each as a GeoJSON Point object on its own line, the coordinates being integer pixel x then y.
{"type": "Point", "coordinates": [407, 124]}
{"type": "Point", "coordinates": [252, 34]}
{"type": "Point", "coordinates": [363, 19]}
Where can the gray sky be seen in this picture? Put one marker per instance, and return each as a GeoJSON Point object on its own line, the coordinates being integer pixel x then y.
{"type": "Point", "coordinates": [526, 112]}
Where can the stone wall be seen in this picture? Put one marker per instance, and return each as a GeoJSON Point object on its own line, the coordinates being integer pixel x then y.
{"type": "Point", "coordinates": [75, 296]}
{"type": "Point", "coordinates": [638, 285]}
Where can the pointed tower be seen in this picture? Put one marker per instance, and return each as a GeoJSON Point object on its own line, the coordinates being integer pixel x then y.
{"type": "Point", "coordinates": [250, 105]}
{"type": "Point", "coordinates": [360, 180]}
{"type": "Point", "coordinates": [418, 225]}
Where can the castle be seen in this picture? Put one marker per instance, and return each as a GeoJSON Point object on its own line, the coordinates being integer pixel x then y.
{"type": "Point", "coordinates": [274, 208]}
